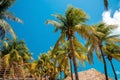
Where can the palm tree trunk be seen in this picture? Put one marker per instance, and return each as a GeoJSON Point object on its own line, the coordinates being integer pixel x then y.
{"type": "Point", "coordinates": [71, 68]}
{"type": "Point", "coordinates": [104, 62]}
{"type": "Point", "coordinates": [106, 4]}
{"type": "Point", "coordinates": [73, 55]}
{"type": "Point", "coordinates": [41, 73]}
{"type": "Point", "coordinates": [41, 77]}
{"type": "Point", "coordinates": [12, 70]}
{"type": "Point", "coordinates": [113, 70]}
{"type": "Point", "coordinates": [20, 71]}
{"type": "Point", "coordinates": [54, 70]}
{"type": "Point", "coordinates": [5, 72]}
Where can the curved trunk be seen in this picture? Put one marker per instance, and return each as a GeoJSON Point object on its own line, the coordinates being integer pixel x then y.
{"type": "Point", "coordinates": [71, 68]}
{"type": "Point", "coordinates": [113, 69]}
{"type": "Point", "coordinates": [73, 55]}
{"type": "Point", "coordinates": [104, 62]}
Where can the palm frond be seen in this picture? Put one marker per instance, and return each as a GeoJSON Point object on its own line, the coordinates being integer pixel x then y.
{"type": "Point", "coordinates": [113, 50]}
{"type": "Point", "coordinates": [98, 53]}
{"type": "Point", "coordinates": [2, 32]}
{"type": "Point", "coordinates": [10, 16]}
{"type": "Point", "coordinates": [75, 16]}
{"type": "Point", "coordinates": [7, 28]}
{"type": "Point", "coordinates": [6, 60]}
{"type": "Point", "coordinates": [5, 44]}
{"type": "Point", "coordinates": [113, 38]}
{"type": "Point", "coordinates": [83, 30]}
{"type": "Point", "coordinates": [60, 40]}
{"type": "Point", "coordinates": [116, 56]}
{"type": "Point", "coordinates": [90, 53]}
{"type": "Point", "coordinates": [112, 27]}
{"type": "Point", "coordinates": [54, 23]}
{"type": "Point", "coordinates": [61, 18]}
{"type": "Point", "coordinates": [78, 44]}
{"type": "Point", "coordinates": [81, 57]}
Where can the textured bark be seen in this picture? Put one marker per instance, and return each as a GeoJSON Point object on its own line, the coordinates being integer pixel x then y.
{"type": "Point", "coordinates": [104, 62]}
{"type": "Point", "coordinates": [110, 59]}
{"type": "Point", "coordinates": [71, 68]}
{"type": "Point", "coordinates": [74, 60]}
{"type": "Point", "coordinates": [41, 74]}
{"type": "Point", "coordinates": [54, 70]}
{"type": "Point", "coordinates": [70, 39]}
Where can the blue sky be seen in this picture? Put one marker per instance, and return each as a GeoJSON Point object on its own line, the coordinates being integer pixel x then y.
{"type": "Point", "coordinates": [39, 36]}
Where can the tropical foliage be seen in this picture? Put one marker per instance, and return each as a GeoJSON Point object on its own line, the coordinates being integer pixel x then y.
{"type": "Point", "coordinates": [14, 56]}
{"type": "Point", "coordinates": [73, 21]}
{"type": "Point", "coordinates": [16, 60]}
{"type": "Point", "coordinates": [5, 14]}
{"type": "Point", "coordinates": [102, 35]}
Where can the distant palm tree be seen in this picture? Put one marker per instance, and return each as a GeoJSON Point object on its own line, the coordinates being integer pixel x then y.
{"type": "Point", "coordinates": [31, 68]}
{"type": "Point", "coordinates": [46, 65]}
{"type": "Point", "coordinates": [112, 50]}
{"type": "Point", "coordinates": [61, 60]}
{"type": "Point", "coordinates": [100, 36]}
{"type": "Point", "coordinates": [14, 57]}
{"type": "Point", "coordinates": [5, 14]}
{"type": "Point", "coordinates": [72, 22]}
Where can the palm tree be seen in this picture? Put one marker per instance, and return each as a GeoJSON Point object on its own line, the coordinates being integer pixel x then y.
{"type": "Point", "coordinates": [54, 58]}
{"type": "Point", "coordinates": [38, 68]}
{"type": "Point", "coordinates": [79, 53]}
{"type": "Point", "coordinates": [5, 14]}
{"type": "Point", "coordinates": [31, 68]}
{"type": "Point", "coordinates": [72, 22]}
{"type": "Point", "coordinates": [101, 34]}
{"type": "Point", "coordinates": [61, 59]}
{"type": "Point", "coordinates": [14, 57]}
{"type": "Point", "coordinates": [112, 50]}
{"type": "Point", "coordinates": [46, 65]}
{"type": "Point", "coordinates": [12, 61]}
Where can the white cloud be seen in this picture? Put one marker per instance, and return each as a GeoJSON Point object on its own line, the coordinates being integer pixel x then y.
{"type": "Point", "coordinates": [115, 20]}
